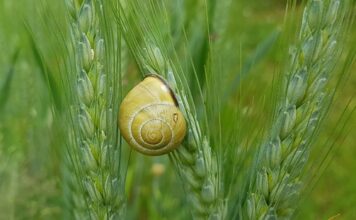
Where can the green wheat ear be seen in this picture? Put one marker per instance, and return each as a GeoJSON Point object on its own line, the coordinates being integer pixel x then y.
{"type": "Point", "coordinates": [194, 161]}
{"type": "Point", "coordinates": [276, 186]}
{"type": "Point", "coordinates": [94, 181]}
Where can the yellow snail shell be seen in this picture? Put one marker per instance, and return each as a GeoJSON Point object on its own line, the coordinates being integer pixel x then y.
{"type": "Point", "coordinates": [149, 118]}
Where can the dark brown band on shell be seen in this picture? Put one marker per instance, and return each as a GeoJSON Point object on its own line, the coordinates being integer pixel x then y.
{"type": "Point", "coordinates": [166, 84]}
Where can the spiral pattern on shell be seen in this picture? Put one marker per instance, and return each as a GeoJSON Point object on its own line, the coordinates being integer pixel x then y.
{"type": "Point", "coordinates": [149, 118]}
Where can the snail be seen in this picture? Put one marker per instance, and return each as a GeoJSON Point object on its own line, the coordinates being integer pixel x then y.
{"type": "Point", "coordinates": [149, 118]}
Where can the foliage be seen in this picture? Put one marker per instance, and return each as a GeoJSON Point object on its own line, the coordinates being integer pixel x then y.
{"type": "Point", "coordinates": [266, 87]}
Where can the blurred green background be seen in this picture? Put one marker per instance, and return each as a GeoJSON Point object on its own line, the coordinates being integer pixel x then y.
{"type": "Point", "coordinates": [30, 145]}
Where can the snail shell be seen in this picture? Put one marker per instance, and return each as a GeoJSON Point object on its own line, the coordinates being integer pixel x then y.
{"type": "Point", "coordinates": [149, 118]}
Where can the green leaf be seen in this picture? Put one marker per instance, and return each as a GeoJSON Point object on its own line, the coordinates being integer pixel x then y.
{"type": "Point", "coordinates": [261, 51]}
{"type": "Point", "coordinates": [5, 88]}
{"type": "Point", "coordinates": [45, 72]}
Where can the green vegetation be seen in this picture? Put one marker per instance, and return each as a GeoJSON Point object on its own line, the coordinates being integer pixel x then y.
{"type": "Point", "coordinates": [266, 87]}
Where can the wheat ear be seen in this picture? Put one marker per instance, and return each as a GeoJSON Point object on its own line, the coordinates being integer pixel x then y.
{"type": "Point", "coordinates": [277, 183]}
{"type": "Point", "coordinates": [197, 166]}
{"type": "Point", "coordinates": [193, 160]}
{"type": "Point", "coordinates": [94, 187]}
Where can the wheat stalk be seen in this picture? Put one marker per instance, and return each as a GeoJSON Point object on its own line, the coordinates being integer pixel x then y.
{"type": "Point", "coordinates": [274, 190]}
{"type": "Point", "coordinates": [94, 188]}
